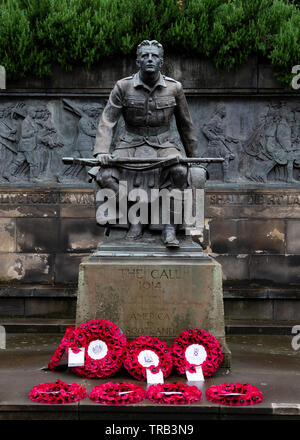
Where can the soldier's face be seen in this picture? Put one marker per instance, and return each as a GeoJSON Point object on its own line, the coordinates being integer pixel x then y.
{"type": "Point", "coordinates": [39, 113]}
{"type": "Point", "coordinates": [149, 60]}
{"type": "Point", "coordinates": [32, 113]}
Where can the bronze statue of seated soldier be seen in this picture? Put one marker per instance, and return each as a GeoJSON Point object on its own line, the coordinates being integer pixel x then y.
{"type": "Point", "coordinates": [147, 101]}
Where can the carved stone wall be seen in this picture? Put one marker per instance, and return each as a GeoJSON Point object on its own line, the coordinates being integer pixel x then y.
{"type": "Point", "coordinates": [258, 137]}
{"type": "Point", "coordinates": [47, 215]}
{"type": "Point", "coordinates": [36, 133]}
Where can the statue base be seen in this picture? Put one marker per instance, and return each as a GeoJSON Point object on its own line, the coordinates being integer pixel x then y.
{"type": "Point", "coordinates": [147, 289]}
{"type": "Point", "coordinates": [149, 246]}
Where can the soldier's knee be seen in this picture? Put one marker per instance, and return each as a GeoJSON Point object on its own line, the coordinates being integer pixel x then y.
{"type": "Point", "coordinates": [104, 178]}
{"type": "Point", "coordinates": [179, 174]}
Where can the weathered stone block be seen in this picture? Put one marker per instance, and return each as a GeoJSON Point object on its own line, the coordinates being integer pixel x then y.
{"type": "Point", "coordinates": [287, 310]}
{"type": "Point", "coordinates": [26, 268]}
{"type": "Point", "coordinates": [193, 72]}
{"type": "Point", "coordinates": [293, 236]}
{"type": "Point", "coordinates": [80, 235]}
{"type": "Point", "coordinates": [37, 291]}
{"type": "Point", "coordinates": [12, 307]}
{"type": "Point", "coordinates": [202, 74]}
{"type": "Point", "coordinates": [257, 236]}
{"type": "Point", "coordinates": [266, 78]}
{"type": "Point", "coordinates": [77, 211]}
{"type": "Point", "coordinates": [248, 309]}
{"type": "Point", "coordinates": [234, 267]}
{"type": "Point", "coordinates": [7, 235]}
{"type": "Point", "coordinates": [223, 235]}
{"type": "Point", "coordinates": [37, 234]}
{"type": "Point", "coordinates": [279, 269]}
{"type": "Point", "coordinates": [50, 308]}
{"type": "Point", "coordinates": [28, 211]}
{"type": "Point", "coordinates": [151, 297]}
{"type": "Point", "coordinates": [67, 266]}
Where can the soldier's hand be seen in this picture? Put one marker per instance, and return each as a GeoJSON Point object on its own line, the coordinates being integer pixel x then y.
{"type": "Point", "coordinates": [172, 156]}
{"type": "Point", "coordinates": [104, 158]}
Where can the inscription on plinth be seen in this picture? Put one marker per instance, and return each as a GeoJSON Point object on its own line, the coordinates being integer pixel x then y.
{"type": "Point", "coordinates": [252, 203]}
{"type": "Point", "coordinates": [149, 298]}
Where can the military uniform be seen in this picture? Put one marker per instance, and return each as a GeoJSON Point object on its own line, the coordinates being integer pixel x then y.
{"type": "Point", "coordinates": [147, 113]}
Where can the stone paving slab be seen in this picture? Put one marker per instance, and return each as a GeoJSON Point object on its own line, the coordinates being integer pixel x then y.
{"type": "Point", "coordinates": [268, 362]}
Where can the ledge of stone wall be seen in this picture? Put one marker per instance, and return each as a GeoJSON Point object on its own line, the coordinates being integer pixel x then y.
{"type": "Point", "coordinates": [196, 74]}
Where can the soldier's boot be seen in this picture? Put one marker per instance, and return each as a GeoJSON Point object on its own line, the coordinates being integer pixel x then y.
{"type": "Point", "coordinates": [135, 232]}
{"type": "Point", "coordinates": [10, 177]}
{"type": "Point", "coordinates": [34, 172]}
{"type": "Point", "coordinates": [169, 236]}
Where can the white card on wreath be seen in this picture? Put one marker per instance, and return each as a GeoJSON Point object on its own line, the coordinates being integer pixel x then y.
{"type": "Point", "coordinates": [154, 378]}
{"type": "Point", "coordinates": [76, 359]}
{"type": "Point", "coordinates": [195, 377]}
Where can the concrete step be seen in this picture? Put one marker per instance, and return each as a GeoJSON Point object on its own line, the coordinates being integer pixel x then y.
{"type": "Point", "coordinates": [233, 327]}
{"type": "Point", "coordinates": [36, 326]}
{"type": "Point", "coordinates": [238, 327]}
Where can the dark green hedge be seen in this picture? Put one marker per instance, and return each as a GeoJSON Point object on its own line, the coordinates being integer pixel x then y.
{"type": "Point", "coordinates": [35, 34]}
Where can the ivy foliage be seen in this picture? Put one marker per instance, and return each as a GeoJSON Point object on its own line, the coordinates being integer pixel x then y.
{"type": "Point", "coordinates": [37, 34]}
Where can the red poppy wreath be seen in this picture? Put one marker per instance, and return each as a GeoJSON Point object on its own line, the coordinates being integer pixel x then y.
{"type": "Point", "coordinates": [117, 393]}
{"type": "Point", "coordinates": [63, 346]}
{"type": "Point", "coordinates": [196, 347]}
{"type": "Point", "coordinates": [57, 392]}
{"type": "Point", "coordinates": [147, 352]}
{"type": "Point", "coordinates": [173, 393]}
{"type": "Point", "coordinates": [234, 394]}
{"type": "Point", "coordinates": [104, 346]}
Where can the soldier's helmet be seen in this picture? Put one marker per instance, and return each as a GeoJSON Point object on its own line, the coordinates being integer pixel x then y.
{"type": "Point", "coordinates": [92, 110]}
{"type": "Point", "coordinates": [273, 112]}
{"type": "Point", "coordinates": [221, 110]}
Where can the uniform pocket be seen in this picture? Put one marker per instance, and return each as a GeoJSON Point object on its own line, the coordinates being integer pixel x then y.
{"type": "Point", "coordinates": [132, 101]}
{"type": "Point", "coordinates": [165, 102]}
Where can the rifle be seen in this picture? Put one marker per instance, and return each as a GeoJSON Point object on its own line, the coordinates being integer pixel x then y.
{"type": "Point", "coordinates": [72, 108]}
{"type": "Point", "coordinates": [4, 138]}
{"type": "Point", "coordinates": [149, 162]}
{"type": "Point", "coordinates": [8, 146]}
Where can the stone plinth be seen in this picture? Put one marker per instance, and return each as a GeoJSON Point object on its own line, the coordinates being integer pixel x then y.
{"type": "Point", "coordinates": [153, 296]}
